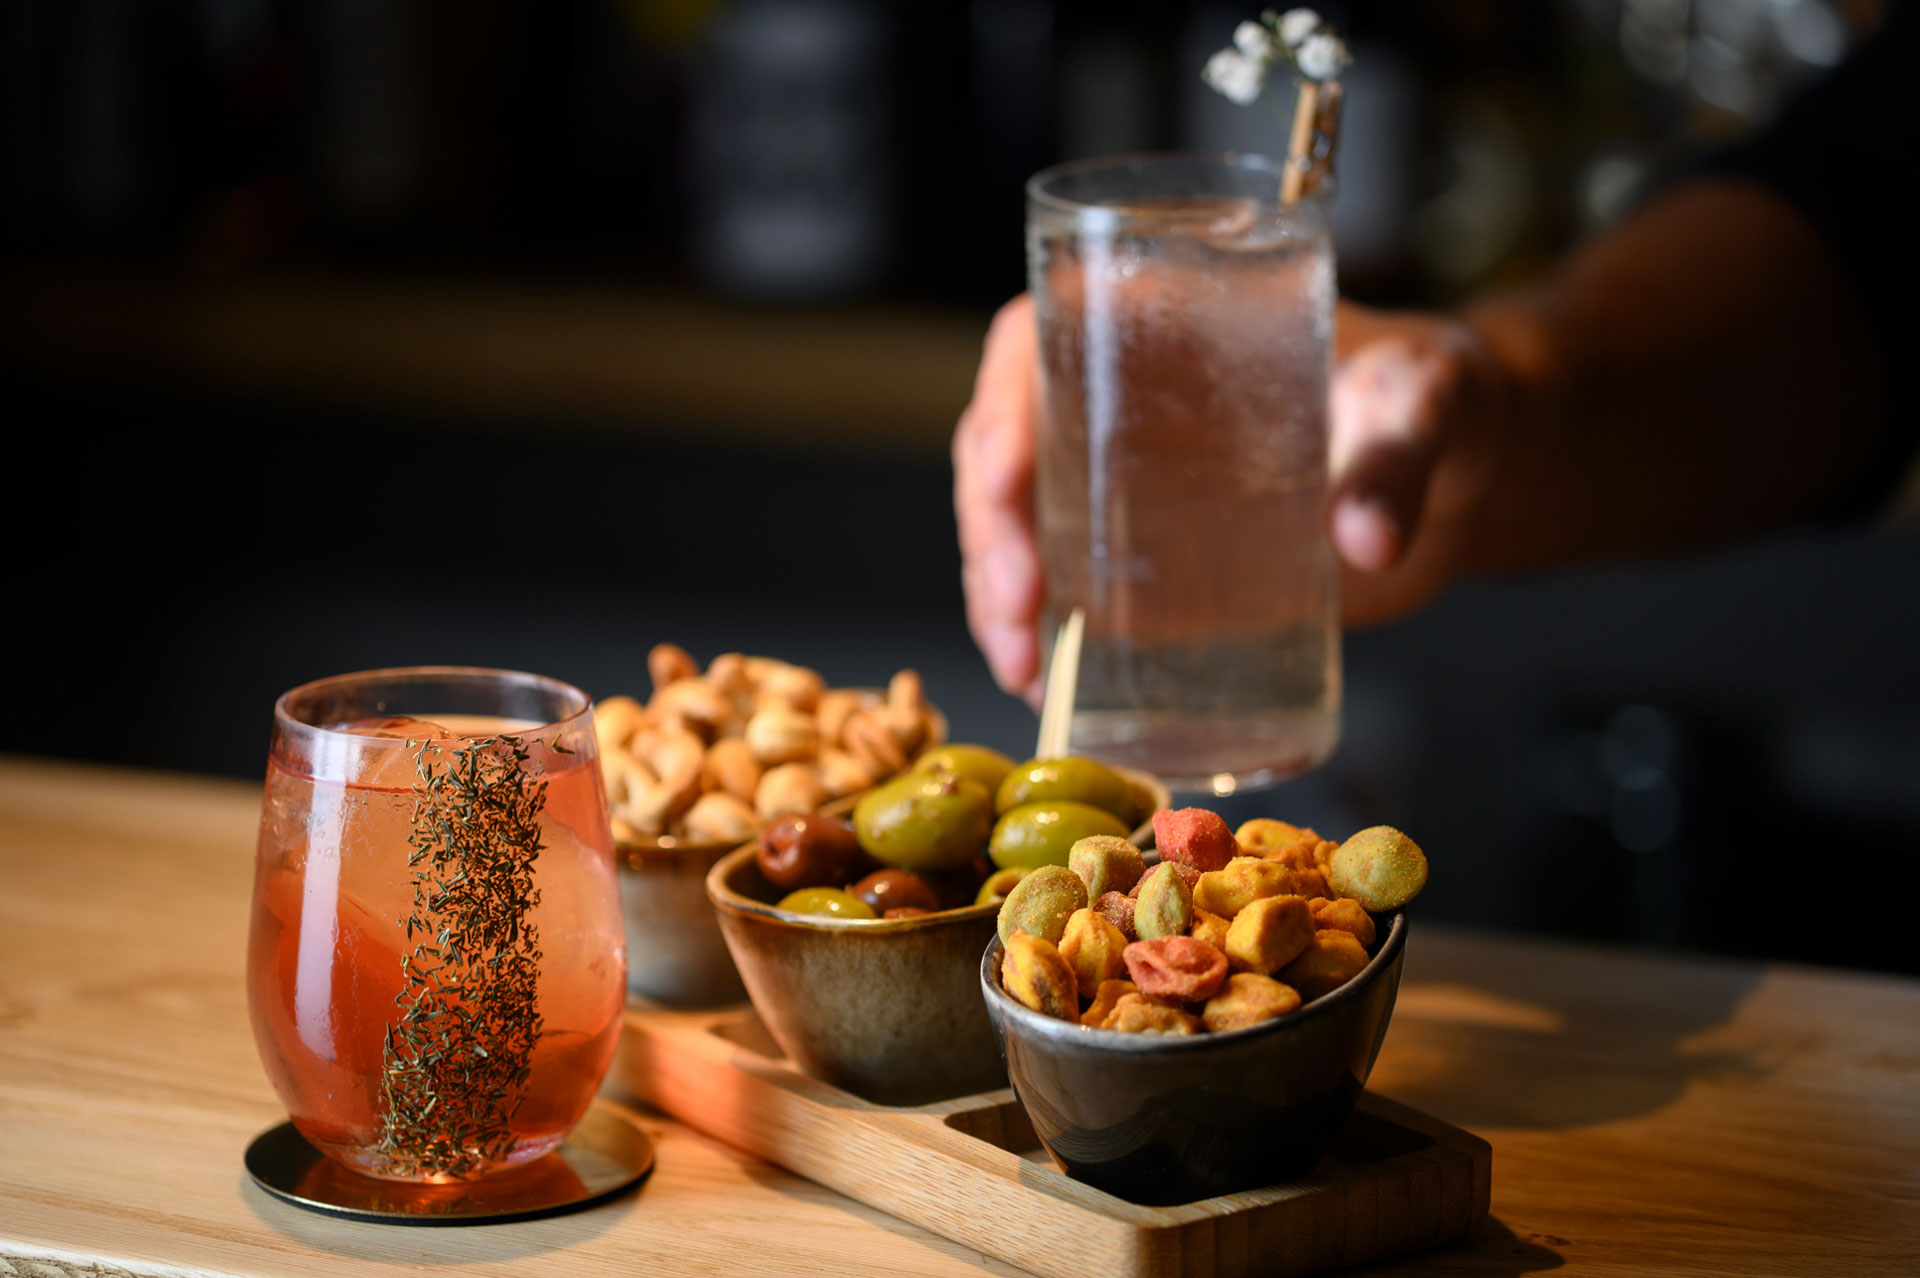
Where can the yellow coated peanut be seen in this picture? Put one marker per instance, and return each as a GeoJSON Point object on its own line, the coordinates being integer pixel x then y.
{"type": "Point", "coordinates": [1331, 960]}
{"type": "Point", "coordinates": [1033, 972]}
{"type": "Point", "coordinates": [1264, 836]}
{"type": "Point", "coordinates": [1269, 934]}
{"type": "Point", "coordinates": [1137, 1014]}
{"type": "Point", "coordinates": [1247, 999]}
{"type": "Point", "coordinates": [1101, 1009]}
{"type": "Point", "coordinates": [1245, 880]}
{"type": "Point", "coordinates": [1210, 928]}
{"type": "Point", "coordinates": [1093, 947]}
{"type": "Point", "coordinates": [1345, 914]}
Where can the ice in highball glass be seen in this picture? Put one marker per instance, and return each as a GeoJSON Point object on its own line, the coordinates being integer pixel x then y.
{"type": "Point", "coordinates": [1185, 313]}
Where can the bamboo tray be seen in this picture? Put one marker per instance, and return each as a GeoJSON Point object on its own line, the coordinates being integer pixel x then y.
{"type": "Point", "coordinates": [972, 1170]}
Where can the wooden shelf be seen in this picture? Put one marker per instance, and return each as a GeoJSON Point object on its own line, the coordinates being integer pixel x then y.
{"type": "Point", "coordinates": [869, 377]}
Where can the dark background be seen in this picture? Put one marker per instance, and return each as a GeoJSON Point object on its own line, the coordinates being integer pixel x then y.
{"type": "Point", "coordinates": [356, 333]}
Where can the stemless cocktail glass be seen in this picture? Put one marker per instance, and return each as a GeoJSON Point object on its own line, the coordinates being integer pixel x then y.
{"type": "Point", "coordinates": [437, 964]}
{"type": "Point", "coordinates": [1185, 312]}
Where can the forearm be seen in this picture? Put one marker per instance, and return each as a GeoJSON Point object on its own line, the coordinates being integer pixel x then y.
{"type": "Point", "coordinates": [1698, 374]}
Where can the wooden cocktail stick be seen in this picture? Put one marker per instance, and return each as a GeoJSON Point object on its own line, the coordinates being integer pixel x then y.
{"type": "Point", "coordinates": [1316, 126]}
{"type": "Point", "coordinates": [1063, 685]}
{"type": "Point", "coordinates": [1306, 106]}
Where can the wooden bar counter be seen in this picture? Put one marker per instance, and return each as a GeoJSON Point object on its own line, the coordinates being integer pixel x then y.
{"type": "Point", "coordinates": [1648, 1114]}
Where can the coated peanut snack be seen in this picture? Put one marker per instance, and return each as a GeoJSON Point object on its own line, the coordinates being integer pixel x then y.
{"type": "Point", "coordinates": [714, 756]}
{"type": "Point", "coordinates": [1232, 928]}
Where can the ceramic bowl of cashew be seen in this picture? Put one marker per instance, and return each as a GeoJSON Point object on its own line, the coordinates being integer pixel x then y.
{"type": "Point", "coordinates": [705, 763]}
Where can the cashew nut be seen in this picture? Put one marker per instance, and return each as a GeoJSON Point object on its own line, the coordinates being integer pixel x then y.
{"type": "Point", "coordinates": [730, 766]}
{"type": "Point", "coordinates": [675, 758]}
{"type": "Point", "coordinates": [842, 774]}
{"type": "Point", "coordinates": [905, 714]}
{"type": "Point", "coordinates": [791, 787]}
{"type": "Point", "coordinates": [781, 734]}
{"type": "Point", "coordinates": [615, 720]}
{"type": "Point", "coordinates": [669, 663]}
{"type": "Point", "coordinates": [836, 706]}
{"type": "Point", "coordinates": [692, 705]}
{"type": "Point", "coordinates": [795, 686]}
{"type": "Point", "coordinates": [625, 777]}
{"type": "Point", "coordinates": [719, 817]}
{"type": "Point", "coordinates": [869, 741]}
{"type": "Point", "coordinates": [727, 675]}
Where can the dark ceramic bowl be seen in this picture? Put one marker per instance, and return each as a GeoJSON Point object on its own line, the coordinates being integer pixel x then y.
{"type": "Point", "coordinates": [887, 1009]}
{"type": "Point", "coordinates": [1172, 1120]}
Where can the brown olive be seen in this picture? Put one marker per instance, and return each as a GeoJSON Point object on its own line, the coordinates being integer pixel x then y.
{"type": "Point", "coordinates": [809, 850]}
{"type": "Point", "coordinates": [906, 912]}
{"type": "Point", "coordinates": [957, 888]}
{"type": "Point", "coordinates": [887, 890]}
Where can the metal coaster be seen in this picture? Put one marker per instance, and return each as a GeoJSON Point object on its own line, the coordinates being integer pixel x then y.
{"type": "Point", "coordinates": [605, 1154]}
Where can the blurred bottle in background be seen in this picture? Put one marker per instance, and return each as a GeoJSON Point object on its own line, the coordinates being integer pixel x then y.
{"type": "Point", "coordinates": [811, 150]}
{"type": "Point", "coordinates": [789, 166]}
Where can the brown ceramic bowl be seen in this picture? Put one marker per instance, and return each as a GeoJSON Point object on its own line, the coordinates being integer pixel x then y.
{"type": "Point", "coordinates": [888, 1009]}
{"type": "Point", "coordinates": [675, 953]}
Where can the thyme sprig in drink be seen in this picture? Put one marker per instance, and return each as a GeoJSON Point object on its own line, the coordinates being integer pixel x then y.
{"type": "Point", "coordinates": [437, 963]}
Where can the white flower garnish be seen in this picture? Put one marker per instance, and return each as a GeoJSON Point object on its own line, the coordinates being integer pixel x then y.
{"type": "Point", "coordinates": [1296, 25]}
{"type": "Point", "coordinates": [1235, 75]}
{"type": "Point", "coordinates": [1255, 41]}
{"type": "Point", "coordinates": [1320, 56]}
{"type": "Point", "coordinates": [1297, 37]}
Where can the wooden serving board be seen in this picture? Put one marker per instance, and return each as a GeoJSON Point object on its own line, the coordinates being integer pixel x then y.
{"type": "Point", "coordinates": [971, 1168]}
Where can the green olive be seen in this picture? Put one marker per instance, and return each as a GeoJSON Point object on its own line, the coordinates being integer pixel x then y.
{"type": "Point", "coordinates": [924, 821]}
{"type": "Point", "coordinates": [999, 883]}
{"type": "Point", "coordinates": [829, 901]}
{"type": "Point", "coordinates": [977, 763]}
{"type": "Point", "coordinates": [1036, 834]}
{"type": "Point", "coordinates": [1072, 779]}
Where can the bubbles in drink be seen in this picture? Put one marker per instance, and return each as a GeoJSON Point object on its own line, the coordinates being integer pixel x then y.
{"type": "Point", "coordinates": [1181, 479]}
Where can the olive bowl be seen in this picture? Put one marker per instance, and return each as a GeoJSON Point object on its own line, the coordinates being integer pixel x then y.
{"type": "Point", "coordinates": [888, 1009]}
{"type": "Point", "coordinates": [884, 1008]}
{"type": "Point", "coordinates": [1160, 1121]}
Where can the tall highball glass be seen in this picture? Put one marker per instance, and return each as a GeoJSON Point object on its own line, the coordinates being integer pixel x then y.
{"type": "Point", "coordinates": [437, 966]}
{"type": "Point", "coordinates": [1185, 318]}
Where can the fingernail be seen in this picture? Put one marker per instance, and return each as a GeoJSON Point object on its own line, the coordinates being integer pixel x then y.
{"type": "Point", "coordinates": [1366, 535]}
{"type": "Point", "coordinates": [1010, 653]}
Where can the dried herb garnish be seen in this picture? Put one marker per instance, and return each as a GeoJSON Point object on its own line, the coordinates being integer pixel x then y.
{"type": "Point", "coordinates": [458, 1057]}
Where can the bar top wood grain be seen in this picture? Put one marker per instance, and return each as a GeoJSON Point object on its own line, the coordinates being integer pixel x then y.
{"type": "Point", "coordinates": [1649, 1114]}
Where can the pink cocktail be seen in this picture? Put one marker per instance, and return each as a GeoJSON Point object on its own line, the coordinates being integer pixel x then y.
{"type": "Point", "coordinates": [437, 963]}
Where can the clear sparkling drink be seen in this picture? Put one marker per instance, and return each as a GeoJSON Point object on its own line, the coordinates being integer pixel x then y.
{"type": "Point", "coordinates": [1185, 319]}
{"type": "Point", "coordinates": [437, 962]}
